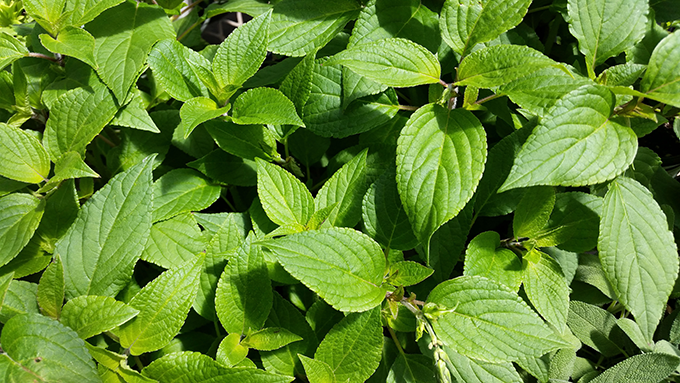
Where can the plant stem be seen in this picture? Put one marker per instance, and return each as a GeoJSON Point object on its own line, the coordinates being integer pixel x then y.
{"type": "Point", "coordinates": [444, 83]}
{"type": "Point", "coordinates": [191, 28]}
{"type": "Point", "coordinates": [42, 56]}
{"type": "Point", "coordinates": [407, 107]}
{"type": "Point", "coordinates": [396, 341]}
{"type": "Point", "coordinates": [489, 98]}
{"type": "Point", "coordinates": [543, 8]}
{"type": "Point", "coordinates": [186, 9]}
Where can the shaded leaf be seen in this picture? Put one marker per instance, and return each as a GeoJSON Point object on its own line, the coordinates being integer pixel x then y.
{"type": "Point", "coordinates": [90, 315]}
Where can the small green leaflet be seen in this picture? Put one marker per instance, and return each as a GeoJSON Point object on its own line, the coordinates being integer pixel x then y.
{"type": "Point", "coordinates": [299, 27]}
{"type": "Point", "coordinates": [163, 306]}
{"type": "Point", "coordinates": [70, 165]}
{"type": "Point", "coordinates": [197, 111]}
{"type": "Point", "coordinates": [244, 295]}
{"type": "Point", "coordinates": [297, 85]}
{"type": "Point", "coordinates": [574, 222]}
{"type": "Point", "coordinates": [466, 23]}
{"type": "Point", "coordinates": [182, 190]}
{"type": "Point", "coordinates": [100, 249]}
{"type": "Point", "coordinates": [80, 12]}
{"type": "Point", "coordinates": [47, 13]}
{"type": "Point", "coordinates": [123, 37]}
{"type": "Point", "coordinates": [649, 367]}
{"type": "Point", "coordinates": [353, 347]}
{"type": "Point", "coordinates": [317, 371]}
{"type": "Point", "coordinates": [174, 241]}
{"type": "Point", "coordinates": [47, 349]}
{"type": "Point", "coordinates": [134, 114]}
{"type": "Point", "coordinates": [183, 367]}
{"type": "Point", "coordinates": [74, 42]}
{"type": "Point", "coordinates": [249, 7]}
{"type": "Point", "coordinates": [533, 211]}
{"type": "Point", "coordinates": [176, 68]}
{"type": "Point", "coordinates": [474, 371]}
{"type": "Point", "coordinates": [661, 81]}
{"type": "Point", "coordinates": [20, 216]}
{"type": "Point", "coordinates": [343, 266]}
{"type": "Point", "coordinates": [356, 86]}
{"type": "Point", "coordinates": [577, 143]}
{"type": "Point", "coordinates": [89, 315]}
{"type": "Point", "coordinates": [440, 160]}
{"type": "Point", "coordinates": [242, 53]}
{"type": "Point", "coordinates": [22, 157]}
{"type": "Point", "coordinates": [20, 298]}
{"type": "Point", "coordinates": [485, 320]}
{"type": "Point", "coordinates": [498, 65]}
{"type": "Point", "coordinates": [271, 338]}
{"type": "Point", "coordinates": [637, 251]}
{"type": "Point", "coordinates": [246, 141]}
{"type": "Point", "coordinates": [230, 352]}
{"type": "Point", "coordinates": [408, 273]}
{"type": "Point", "coordinates": [486, 258]}
{"type": "Point", "coordinates": [546, 288]}
{"type": "Point", "coordinates": [605, 28]}
{"type": "Point", "coordinates": [594, 327]}
{"type": "Point", "coordinates": [409, 368]}
{"type": "Point", "coordinates": [284, 198]}
{"type": "Point", "coordinates": [51, 289]}
{"type": "Point", "coordinates": [10, 49]}
{"type": "Point", "coordinates": [265, 106]}
{"type": "Point", "coordinates": [393, 62]}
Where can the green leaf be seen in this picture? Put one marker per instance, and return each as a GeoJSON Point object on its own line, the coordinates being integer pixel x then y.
{"type": "Point", "coordinates": [637, 251]}
{"type": "Point", "coordinates": [74, 42]}
{"type": "Point", "coordinates": [633, 332]}
{"type": "Point", "coordinates": [163, 306]}
{"type": "Point", "coordinates": [226, 169]}
{"type": "Point", "coordinates": [384, 218]}
{"type": "Point", "coordinates": [242, 53]}
{"type": "Point", "coordinates": [393, 62]}
{"type": "Point", "coordinates": [284, 198]}
{"type": "Point", "coordinates": [265, 106]}
{"type": "Point", "coordinates": [177, 69]}
{"type": "Point", "coordinates": [475, 371]}
{"type": "Point", "coordinates": [46, 12]}
{"type": "Point", "coordinates": [90, 315]}
{"type": "Point", "coordinates": [343, 266]}
{"type": "Point", "coordinates": [533, 211]}
{"type": "Point", "coordinates": [197, 111]}
{"type": "Point", "coordinates": [409, 368]}
{"type": "Point", "coordinates": [353, 347]}
{"type": "Point", "coordinates": [574, 223]}
{"type": "Point", "coordinates": [440, 160]}
{"type": "Point", "coordinates": [19, 299]}
{"type": "Point", "coordinates": [546, 288]}
{"type": "Point", "coordinates": [577, 143]}
{"type": "Point", "coordinates": [134, 115]}
{"type": "Point", "coordinates": [643, 368]}
{"type": "Point", "coordinates": [123, 37]}
{"type": "Point", "coordinates": [410, 19]}
{"type": "Point", "coordinates": [661, 81]}
{"type": "Point", "coordinates": [20, 216]}
{"type": "Point", "coordinates": [10, 50]}
{"type": "Point", "coordinates": [466, 23]}
{"type": "Point", "coordinates": [317, 371]}
{"type": "Point", "coordinates": [489, 322]}
{"type": "Point", "coordinates": [230, 352]}
{"type": "Point", "coordinates": [594, 327]}
{"type": "Point", "coordinates": [173, 242]}
{"type": "Point", "coordinates": [270, 338]}
{"type": "Point", "coordinates": [244, 294]}
{"type": "Point", "coordinates": [407, 273]}
{"type": "Point", "coordinates": [297, 85]}
{"type": "Point", "coordinates": [70, 165]}
{"type": "Point", "coordinates": [185, 367]}
{"type": "Point", "coordinates": [345, 189]}
{"type": "Point", "coordinates": [76, 118]}
{"type": "Point", "coordinates": [100, 249]}
{"type": "Point", "coordinates": [604, 29]}
{"type": "Point", "coordinates": [486, 258]}
{"type": "Point", "coordinates": [22, 157]}
{"type": "Point", "coordinates": [51, 289]}
{"type": "Point", "coordinates": [246, 141]}
{"type": "Point", "coordinates": [325, 116]}
{"type": "Point", "coordinates": [80, 12]}
{"type": "Point", "coordinates": [356, 86]}
{"type": "Point", "coordinates": [47, 349]}
{"type": "Point", "coordinates": [182, 190]}
{"type": "Point", "coordinates": [299, 27]}
{"type": "Point", "coordinates": [498, 65]}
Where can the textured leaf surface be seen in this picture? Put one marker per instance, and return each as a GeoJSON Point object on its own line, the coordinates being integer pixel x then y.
{"type": "Point", "coordinates": [284, 198]}
{"type": "Point", "coordinates": [650, 367]}
{"type": "Point", "coordinates": [489, 322]}
{"type": "Point", "coordinates": [197, 111]}
{"type": "Point", "coordinates": [177, 70]}
{"type": "Point", "coordinates": [51, 290]}
{"type": "Point", "coordinates": [163, 306]}
{"type": "Point", "coordinates": [48, 349]}
{"type": "Point", "coordinates": [343, 266]}
{"type": "Point", "coordinates": [317, 371]}
{"type": "Point", "coordinates": [576, 144]}
{"type": "Point", "coordinates": [10, 50]}
{"type": "Point", "coordinates": [594, 327]}
{"type": "Point", "coordinates": [90, 315]}
{"type": "Point", "coordinates": [242, 53]}
{"type": "Point", "coordinates": [409, 368]}
{"type": "Point", "coordinates": [182, 190]}
{"type": "Point", "coordinates": [407, 273]}
{"type": "Point", "coordinates": [345, 189]}
{"type": "Point", "coordinates": [174, 241]}
{"type": "Point", "coordinates": [270, 338]}
{"type": "Point", "coordinates": [547, 289]}
{"type": "Point", "coordinates": [244, 294]}
{"type": "Point", "coordinates": [265, 106]}
{"type": "Point", "coordinates": [353, 347]}
{"type": "Point", "coordinates": [123, 37]}
{"type": "Point", "coordinates": [637, 251]}
{"type": "Point", "coordinates": [574, 223]}
{"type": "Point", "coordinates": [193, 367]}
{"type": "Point", "coordinates": [22, 157]}
{"type": "Point", "coordinates": [76, 118]}
{"type": "Point", "coordinates": [662, 79]}
{"type": "Point", "coordinates": [498, 65]}
{"type": "Point", "coordinates": [533, 211]}
{"type": "Point", "coordinates": [247, 141]}
{"type": "Point", "coordinates": [486, 258]}
{"type": "Point", "coordinates": [606, 28]}
{"type": "Point", "coordinates": [100, 249]}
{"type": "Point", "coordinates": [84, 11]}
{"type": "Point", "coordinates": [440, 160]}
{"type": "Point", "coordinates": [20, 216]}
{"type": "Point", "coordinates": [393, 62]}
{"type": "Point", "coordinates": [74, 42]}
{"type": "Point", "coordinates": [475, 371]}
{"type": "Point", "coordinates": [466, 23]}
{"type": "Point", "coordinates": [47, 13]}
{"type": "Point", "coordinates": [298, 27]}
{"type": "Point", "coordinates": [20, 298]}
